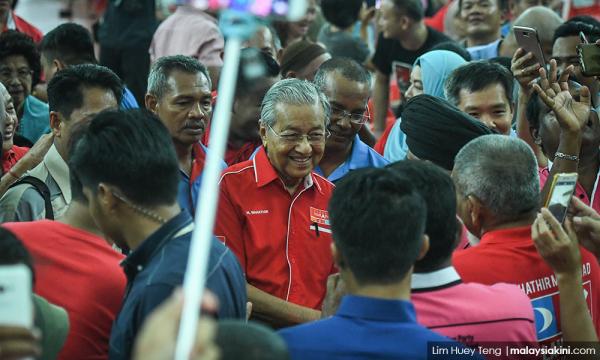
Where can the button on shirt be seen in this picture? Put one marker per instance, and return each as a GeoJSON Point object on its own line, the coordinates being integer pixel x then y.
{"type": "Point", "coordinates": [361, 156]}
{"type": "Point", "coordinates": [282, 241]}
{"type": "Point", "coordinates": [364, 328]}
{"type": "Point", "coordinates": [510, 256]}
{"type": "Point", "coordinates": [157, 266]}
{"type": "Point", "coordinates": [472, 313]}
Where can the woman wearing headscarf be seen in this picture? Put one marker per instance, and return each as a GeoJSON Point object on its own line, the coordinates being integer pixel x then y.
{"type": "Point", "coordinates": [428, 76]}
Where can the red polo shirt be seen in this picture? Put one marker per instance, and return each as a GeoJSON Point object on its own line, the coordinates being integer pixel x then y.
{"type": "Point", "coordinates": [26, 28]}
{"type": "Point", "coordinates": [273, 233]}
{"type": "Point", "coordinates": [510, 256]}
{"type": "Point", "coordinates": [10, 157]}
{"type": "Point", "coordinates": [80, 272]}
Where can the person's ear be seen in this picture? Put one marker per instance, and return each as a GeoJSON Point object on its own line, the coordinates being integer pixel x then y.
{"type": "Point", "coordinates": [56, 123]}
{"type": "Point", "coordinates": [535, 135]}
{"type": "Point", "coordinates": [107, 200]}
{"type": "Point", "coordinates": [338, 259]}
{"type": "Point", "coordinates": [262, 130]}
{"type": "Point", "coordinates": [59, 65]}
{"type": "Point", "coordinates": [151, 103]}
{"type": "Point", "coordinates": [476, 212]}
{"type": "Point", "coordinates": [424, 247]}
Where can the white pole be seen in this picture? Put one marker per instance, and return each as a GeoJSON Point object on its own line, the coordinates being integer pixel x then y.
{"type": "Point", "coordinates": [195, 276]}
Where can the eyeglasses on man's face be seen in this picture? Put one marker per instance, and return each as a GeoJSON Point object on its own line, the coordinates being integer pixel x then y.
{"type": "Point", "coordinates": [355, 118]}
{"type": "Point", "coordinates": [292, 138]}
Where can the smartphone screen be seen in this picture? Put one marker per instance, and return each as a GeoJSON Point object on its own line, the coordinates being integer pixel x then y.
{"type": "Point", "coordinates": [16, 304]}
{"type": "Point", "coordinates": [563, 186]}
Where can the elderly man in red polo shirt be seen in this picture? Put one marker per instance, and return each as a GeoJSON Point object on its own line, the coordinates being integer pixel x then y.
{"type": "Point", "coordinates": [273, 208]}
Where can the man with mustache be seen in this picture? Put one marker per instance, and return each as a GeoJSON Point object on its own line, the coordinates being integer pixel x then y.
{"type": "Point", "coordinates": [347, 86]}
{"type": "Point", "coordinates": [179, 93]}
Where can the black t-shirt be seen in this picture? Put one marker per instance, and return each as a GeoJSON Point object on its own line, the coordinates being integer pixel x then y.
{"type": "Point", "coordinates": [390, 50]}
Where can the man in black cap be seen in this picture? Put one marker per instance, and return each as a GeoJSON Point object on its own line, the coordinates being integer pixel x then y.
{"type": "Point", "coordinates": [436, 130]}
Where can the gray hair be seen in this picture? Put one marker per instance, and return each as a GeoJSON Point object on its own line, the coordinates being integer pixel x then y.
{"type": "Point", "coordinates": [292, 92]}
{"type": "Point", "coordinates": [501, 172]}
{"type": "Point", "coordinates": [159, 73]}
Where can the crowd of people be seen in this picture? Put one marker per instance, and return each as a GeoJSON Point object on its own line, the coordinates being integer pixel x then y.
{"type": "Point", "coordinates": [383, 190]}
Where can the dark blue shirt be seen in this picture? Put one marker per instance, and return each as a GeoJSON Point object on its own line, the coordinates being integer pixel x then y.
{"type": "Point", "coordinates": [364, 328]}
{"type": "Point", "coordinates": [157, 267]}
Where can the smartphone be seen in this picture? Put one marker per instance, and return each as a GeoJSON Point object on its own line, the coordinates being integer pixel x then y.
{"type": "Point", "coordinates": [563, 187]}
{"type": "Point", "coordinates": [16, 302]}
{"type": "Point", "coordinates": [528, 39]}
{"type": "Point", "coordinates": [289, 9]}
{"type": "Point", "coordinates": [589, 59]}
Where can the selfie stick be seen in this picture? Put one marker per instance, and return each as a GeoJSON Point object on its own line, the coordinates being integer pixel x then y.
{"type": "Point", "coordinates": [236, 27]}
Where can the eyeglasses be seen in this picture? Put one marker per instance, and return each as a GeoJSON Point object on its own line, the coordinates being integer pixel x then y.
{"type": "Point", "coordinates": [355, 118]}
{"type": "Point", "coordinates": [21, 74]}
{"type": "Point", "coordinates": [315, 138]}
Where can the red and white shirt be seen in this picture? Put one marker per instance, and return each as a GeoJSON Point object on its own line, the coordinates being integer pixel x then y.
{"type": "Point", "coordinates": [282, 241]}
{"type": "Point", "coordinates": [510, 256]}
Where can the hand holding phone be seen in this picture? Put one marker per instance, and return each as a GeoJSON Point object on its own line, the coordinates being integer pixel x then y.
{"type": "Point", "coordinates": [563, 187]}
{"type": "Point", "coordinates": [528, 39]}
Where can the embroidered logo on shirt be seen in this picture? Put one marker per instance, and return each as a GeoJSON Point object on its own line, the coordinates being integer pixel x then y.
{"type": "Point", "coordinates": [319, 220]}
{"type": "Point", "coordinates": [257, 212]}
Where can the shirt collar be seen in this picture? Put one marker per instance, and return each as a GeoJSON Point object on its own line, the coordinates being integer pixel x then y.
{"type": "Point", "coordinates": [503, 236]}
{"type": "Point", "coordinates": [137, 260]}
{"type": "Point", "coordinates": [435, 280]}
{"type": "Point", "coordinates": [265, 173]}
{"type": "Point", "coordinates": [59, 170]}
{"type": "Point", "coordinates": [358, 158]}
{"type": "Point", "coordinates": [10, 21]}
{"type": "Point", "coordinates": [369, 308]}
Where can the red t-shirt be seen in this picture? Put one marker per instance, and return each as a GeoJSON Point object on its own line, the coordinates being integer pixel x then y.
{"type": "Point", "coordinates": [283, 242]}
{"type": "Point", "coordinates": [80, 272]}
{"type": "Point", "coordinates": [10, 157]}
{"type": "Point", "coordinates": [510, 256]}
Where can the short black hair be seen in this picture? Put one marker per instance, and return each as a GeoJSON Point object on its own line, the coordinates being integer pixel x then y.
{"type": "Point", "coordinates": [341, 13]}
{"type": "Point", "coordinates": [476, 76]}
{"type": "Point", "coordinates": [249, 340]}
{"type": "Point", "coordinates": [13, 252]}
{"type": "Point", "coordinates": [65, 90]}
{"type": "Point", "coordinates": [348, 68]}
{"type": "Point", "coordinates": [131, 150]}
{"type": "Point", "coordinates": [413, 8]}
{"type": "Point", "coordinates": [437, 189]}
{"type": "Point", "coordinates": [378, 222]}
{"type": "Point", "coordinates": [70, 43]}
{"type": "Point", "coordinates": [573, 28]}
{"type": "Point", "coordinates": [15, 43]}
{"type": "Point", "coordinates": [454, 47]}
{"type": "Point", "coordinates": [254, 65]}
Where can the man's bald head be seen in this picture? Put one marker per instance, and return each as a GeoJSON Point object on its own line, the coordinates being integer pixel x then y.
{"type": "Point", "coordinates": [541, 18]}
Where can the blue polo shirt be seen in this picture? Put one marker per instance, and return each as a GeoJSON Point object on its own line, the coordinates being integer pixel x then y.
{"type": "Point", "coordinates": [157, 267]}
{"type": "Point", "coordinates": [189, 189]}
{"type": "Point", "coordinates": [128, 101]}
{"type": "Point", "coordinates": [364, 328]}
{"type": "Point", "coordinates": [362, 156]}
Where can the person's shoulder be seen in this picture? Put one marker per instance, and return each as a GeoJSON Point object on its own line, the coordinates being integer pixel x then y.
{"type": "Point", "coordinates": [314, 331]}
{"type": "Point", "coordinates": [239, 171]}
{"type": "Point", "coordinates": [376, 159]}
{"type": "Point", "coordinates": [438, 36]}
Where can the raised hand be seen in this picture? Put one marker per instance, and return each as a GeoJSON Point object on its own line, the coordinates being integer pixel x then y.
{"type": "Point", "coordinates": [586, 222]}
{"type": "Point", "coordinates": [559, 248]}
{"type": "Point", "coordinates": [571, 115]}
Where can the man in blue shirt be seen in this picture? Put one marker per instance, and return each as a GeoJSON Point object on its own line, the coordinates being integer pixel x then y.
{"type": "Point", "coordinates": [375, 258]}
{"type": "Point", "coordinates": [179, 94]}
{"type": "Point", "coordinates": [131, 189]}
{"type": "Point", "coordinates": [347, 86]}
